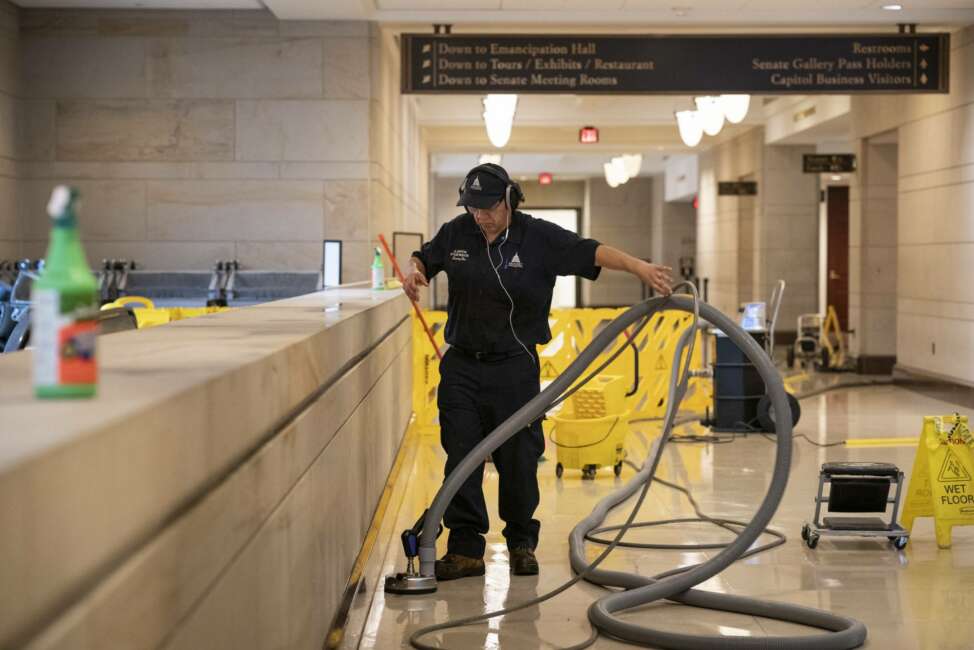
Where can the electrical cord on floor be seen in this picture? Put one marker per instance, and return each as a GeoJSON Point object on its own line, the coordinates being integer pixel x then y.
{"type": "Point", "coordinates": [731, 525]}
{"type": "Point", "coordinates": [749, 426]}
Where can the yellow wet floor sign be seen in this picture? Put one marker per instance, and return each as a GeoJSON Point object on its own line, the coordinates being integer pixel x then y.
{"type": "Point", "coordinates": [942, 481]}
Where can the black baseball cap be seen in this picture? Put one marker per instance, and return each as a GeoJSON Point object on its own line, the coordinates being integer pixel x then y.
{"type": "Point", "coordinates": [482, 189]}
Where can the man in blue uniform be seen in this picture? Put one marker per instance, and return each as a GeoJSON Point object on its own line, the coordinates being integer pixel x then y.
{"type": "Point", "coordinates": [502, 265]}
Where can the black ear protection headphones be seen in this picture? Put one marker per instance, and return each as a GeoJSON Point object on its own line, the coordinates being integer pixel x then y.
{"type": "Point", "coordinates": [513, 196]}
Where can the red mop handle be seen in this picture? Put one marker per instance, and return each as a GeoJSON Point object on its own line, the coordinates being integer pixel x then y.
{"type": "Point", "coordinates": [419, 312]}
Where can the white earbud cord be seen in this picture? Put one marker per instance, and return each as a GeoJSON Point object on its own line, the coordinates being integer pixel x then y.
{"type": "Point", "coordinates": [510, 315]}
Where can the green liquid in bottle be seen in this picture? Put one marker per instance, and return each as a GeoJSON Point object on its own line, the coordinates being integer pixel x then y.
{"type": "Point", "coordinates": [64, 311]}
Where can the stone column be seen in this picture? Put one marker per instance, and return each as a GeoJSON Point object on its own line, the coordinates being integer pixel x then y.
{"type": "Point", "coordinates": [873, 255]}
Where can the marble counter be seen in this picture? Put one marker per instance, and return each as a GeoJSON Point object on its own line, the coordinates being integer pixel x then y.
{"type": "Point", "coordinates": [130, 520]}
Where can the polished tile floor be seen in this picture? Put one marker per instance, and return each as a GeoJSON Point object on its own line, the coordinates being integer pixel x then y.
{"type": "Point", "coordinates": [922, 597]}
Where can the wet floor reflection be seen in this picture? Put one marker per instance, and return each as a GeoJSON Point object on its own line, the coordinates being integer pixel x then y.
{"type": "Point", "coordinates": [918, 598]}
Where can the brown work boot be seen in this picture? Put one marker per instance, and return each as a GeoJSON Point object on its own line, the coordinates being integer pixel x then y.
{"type": "Point", "coordinates": [523, 562]}
{"type": "Point", "coordinates": [454, 566]}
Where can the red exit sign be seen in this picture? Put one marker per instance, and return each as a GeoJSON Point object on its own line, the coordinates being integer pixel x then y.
{"type": "Point", "coordinates": [588, 135]}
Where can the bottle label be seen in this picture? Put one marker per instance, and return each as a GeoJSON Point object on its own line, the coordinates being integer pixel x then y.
{"type": "Point", "coordinates": [378, 278]}
{"type": "Point", "coordinates": [64, 344]}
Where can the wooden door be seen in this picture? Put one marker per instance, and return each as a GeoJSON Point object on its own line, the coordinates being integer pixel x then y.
{"type": "Point", "coordinates": [837, 268]}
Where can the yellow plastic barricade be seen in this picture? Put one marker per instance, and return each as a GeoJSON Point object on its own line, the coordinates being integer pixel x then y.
{"type": "Point", "coordinates": [572, 330]}
{"type": "Point", "coordinates": [942, 481]}
{"type": "Point", "coordinates": [426, 370]}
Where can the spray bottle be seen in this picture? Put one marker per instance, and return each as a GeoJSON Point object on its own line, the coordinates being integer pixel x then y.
{"type": "Point", "coordinates": [64, 309]}
{"type": "Point", "coordinates": [378, 271]}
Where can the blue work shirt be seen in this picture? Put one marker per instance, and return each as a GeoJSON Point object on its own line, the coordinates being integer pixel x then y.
{"type": "Point", "coordinates": [528, 261]}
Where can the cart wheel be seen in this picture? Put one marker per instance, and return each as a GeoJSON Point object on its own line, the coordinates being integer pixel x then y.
{"type": "Point", "coordinates": [559, 470]}
{"type": "Point", "coordinates": [899, 543]}
{"type": "Point", "coordinates": [617, 469]}
{"type": "Point", "coordinates": [812, 540]}
{"type": "Point", "coordinates": [805, 531]}
{"type": "Point", "coordinates": [588, 472]}
{"type": "Point", "coordinates": [825, 358]}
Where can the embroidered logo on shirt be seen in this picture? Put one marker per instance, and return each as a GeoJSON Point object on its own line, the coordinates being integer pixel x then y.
{"type": "Point", "coordinates": [459, 255]}
{"type": "Point", "coordinates": [476, 183]}
{"type": "Point", "coordinates": [515, 262]}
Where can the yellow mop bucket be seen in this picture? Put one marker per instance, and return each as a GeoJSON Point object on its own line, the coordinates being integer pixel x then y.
{"type": "Point", "coordinates": [588, 443]}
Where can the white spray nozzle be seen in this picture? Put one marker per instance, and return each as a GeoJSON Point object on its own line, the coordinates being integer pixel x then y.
{"type": "Point", "coordinates": [60, 198]}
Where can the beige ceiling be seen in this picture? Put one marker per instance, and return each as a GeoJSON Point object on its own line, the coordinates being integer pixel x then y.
{"type": "Point", "coordinates": [629, 14]}
{"type": "Point", "coordinates": [650, 13]}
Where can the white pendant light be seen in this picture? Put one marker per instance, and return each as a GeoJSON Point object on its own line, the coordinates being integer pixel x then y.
{"type": "Point", "coordinates": [632, 163]}
{"type": "Point", "coordinates": [691, 130]}
{"type": "Point", "coordinates": [610, 175]}
{"type": "Point", "coordinates": [735, 107]}
{"type": "Point", "coordinates": [711, 114]}
{"type": "Point", "coordinates": [499, 117]}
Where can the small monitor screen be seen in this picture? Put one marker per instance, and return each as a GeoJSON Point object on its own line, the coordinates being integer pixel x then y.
{"type": "Point", "coordinates": [753, 317]}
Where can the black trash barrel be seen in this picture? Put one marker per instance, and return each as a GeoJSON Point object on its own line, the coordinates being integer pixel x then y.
{"type": "Point", "coordinates": [737, 386]}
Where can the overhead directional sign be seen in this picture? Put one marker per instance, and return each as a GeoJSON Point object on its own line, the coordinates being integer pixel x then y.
{"type": "Point", "coordinates": [835, 163]}
{"type": "Point", "coordinates": [726, 63]}
{"type": "Point", "coordinates": [737, 188]}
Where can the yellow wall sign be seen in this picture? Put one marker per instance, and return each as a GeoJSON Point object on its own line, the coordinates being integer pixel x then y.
{"type": "Point", "coordinates": [942, 481]}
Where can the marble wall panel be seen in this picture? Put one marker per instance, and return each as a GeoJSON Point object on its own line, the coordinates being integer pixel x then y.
{"type": "Point", "coordinates": [8, 126]}
{"type": "Point", "coordinates": [36, 129]}
{"type": "Point", "coordinates": [150, 170]}
{"type": "Point", "coordinates": [9, 226]}
{"type": "Point", "coordinates": [938, 213]}
{"type": "Point", "coordinates": [302, 130]}
{"type": "Point", "coordinates": [234, 68]}
{"type": "Point", "coordinates": [10, 81]}
{"type": "Point", "coordinates": [235, 210]}
{"type": "Point", "coordinates": [83, 68]}
{"type": "Point", "coordinates": [9, 18]}
{"type": "Point", "coordinates": [274, 255]}
{"type": "Point", "coordinates": [346, 68]}
{"type": "Point", "coordinates": [346, 209]}
{"type": "Point", "coordinates": [109, 210]}
{"type": "Point", "coordinates": [156, 130]}
{"type": "Point", "coordinates": [356, 260]}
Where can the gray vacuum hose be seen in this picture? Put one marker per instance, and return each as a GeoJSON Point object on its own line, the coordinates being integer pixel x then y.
{"type": "Point", "coordinates": [640, 590]}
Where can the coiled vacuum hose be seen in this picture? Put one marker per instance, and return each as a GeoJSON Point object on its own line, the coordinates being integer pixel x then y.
{"type": "Point", "coordinates": [843, 633]}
